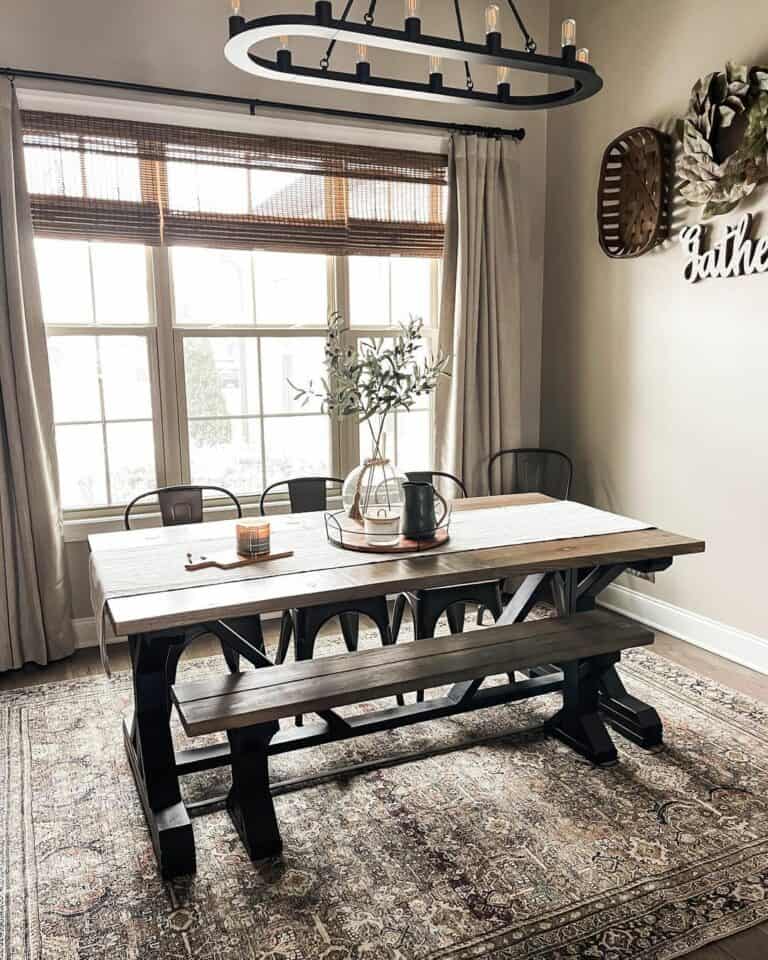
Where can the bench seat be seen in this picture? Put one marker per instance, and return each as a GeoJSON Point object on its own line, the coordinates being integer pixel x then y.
{"type": "Point", "coordinates": [249, 706]}
{"type": "Point", "coordinates": [311, 686]}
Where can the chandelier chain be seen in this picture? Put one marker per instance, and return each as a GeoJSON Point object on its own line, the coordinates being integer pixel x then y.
{"type": "Point", "coordinates": [325, 61]}
{"type": "Point", "coordinates": [467, 71]}
{"type": "Point", "coordinates": [530, 43]}
{"type": "Point", "coordinates": [371, 11]}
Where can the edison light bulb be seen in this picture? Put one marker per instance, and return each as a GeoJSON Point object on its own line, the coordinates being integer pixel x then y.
{"type": "Point", "coordinates": [435, 64]}
{"type": "Point", "coordinates": [235, 4]}
{"type": "Point", "coordinates": [492, 18]}
{"type": "Point", "coordinates": [502, 74]}
{"type": "Point", "coordinates": [411, 8]}
{"type": "Point", "coordinates": [283, 43]}
{"type": "Point", "coordinates": [362, 53]}
{"type": "Point", "coordinates": [568, 33]}
{"type": "Point", "coordinates": [582, 55]}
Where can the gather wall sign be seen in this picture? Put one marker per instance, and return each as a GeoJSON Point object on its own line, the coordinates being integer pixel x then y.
{"type": "Point", "coordinates": [738, 254]}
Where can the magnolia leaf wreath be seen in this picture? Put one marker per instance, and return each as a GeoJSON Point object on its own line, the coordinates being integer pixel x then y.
{"type": "Point", "coordinates": [720, 104]}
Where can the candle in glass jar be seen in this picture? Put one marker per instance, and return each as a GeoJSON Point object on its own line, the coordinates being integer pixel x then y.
{"type": "Point", "coordinates": [253, 538]}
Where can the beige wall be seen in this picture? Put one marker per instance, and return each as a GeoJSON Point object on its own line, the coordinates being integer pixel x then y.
{"type": "Point", "coordinates": [179, 43]}
{"type": "Point", "coordinates": [658, 388]}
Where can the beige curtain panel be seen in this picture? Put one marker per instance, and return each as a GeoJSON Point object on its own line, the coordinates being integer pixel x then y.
{"type": "Point", "coordinates": [183, 185]}
{"type": "Point", "coordinates": [478, 408]}
{"type": "Point", "coordinates": [35, 620]}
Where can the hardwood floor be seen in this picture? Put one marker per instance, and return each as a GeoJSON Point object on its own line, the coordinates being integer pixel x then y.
{"type": "Point", "coordinates": [751, 944]}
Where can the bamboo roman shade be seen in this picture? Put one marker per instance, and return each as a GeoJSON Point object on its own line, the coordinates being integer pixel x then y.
{"type": "Point", "coordinates": [93, 178]}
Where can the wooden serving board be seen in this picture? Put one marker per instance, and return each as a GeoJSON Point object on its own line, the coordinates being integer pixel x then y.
{"type": "Point", "coordinates": [230, 560]}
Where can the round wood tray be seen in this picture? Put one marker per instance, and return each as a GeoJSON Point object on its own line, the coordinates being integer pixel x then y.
{"type": "Point", "coordinates": [350, 535]}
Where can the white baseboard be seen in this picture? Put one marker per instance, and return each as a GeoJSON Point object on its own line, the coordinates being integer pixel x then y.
{"type": "Point", "coordinates": [745, 648]}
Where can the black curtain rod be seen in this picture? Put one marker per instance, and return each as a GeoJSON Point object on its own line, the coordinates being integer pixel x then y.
{"type": "Point", "coordinates": [253, 103]}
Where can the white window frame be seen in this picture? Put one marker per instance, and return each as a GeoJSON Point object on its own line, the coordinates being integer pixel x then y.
{"type": "Point", "coordinates": [165, 344]}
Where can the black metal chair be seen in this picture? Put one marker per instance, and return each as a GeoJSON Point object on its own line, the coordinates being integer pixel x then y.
{"type": "Point", "coordinates": [183, 503]}
{"type": "Point", "coordinates": [428, 476]}
{"type": "Point", "coordinates": [308, 494]}
{"type": "Point", "coordinates": [533, 470]}
{"type": "Point", "coordinates": [427, 606]}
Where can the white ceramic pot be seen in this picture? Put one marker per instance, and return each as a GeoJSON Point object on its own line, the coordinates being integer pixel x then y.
{"type": "Point", "coordinates": [382, 527]}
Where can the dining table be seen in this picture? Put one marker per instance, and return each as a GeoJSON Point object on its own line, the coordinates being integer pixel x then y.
{"type": "Point", "coordinates": [559, 550]}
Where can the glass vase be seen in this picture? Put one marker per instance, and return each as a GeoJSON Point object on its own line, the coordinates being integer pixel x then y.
{"type": "Point", "coordinates": [374, 487]}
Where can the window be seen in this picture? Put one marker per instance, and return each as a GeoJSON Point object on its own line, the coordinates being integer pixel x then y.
{"type": "Point", "coordinates": [242, 325]}
{"type": "Point", "coordinates": [102, 353]}
{"type": "Point", "coordinates": [383, 293]}
{"type": "Point", "coordinates": [171, 361]}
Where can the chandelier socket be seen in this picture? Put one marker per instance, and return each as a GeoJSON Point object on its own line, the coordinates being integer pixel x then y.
{"type": "Point", "coordinates": [436, 82]}
{"type": "Point", "coordinates": [236, 24]}
{"type": "Point", "coordinates": [413, 28]}
{"type": "Point", "coordinates": [493, 42]}
{"type": "Point", "coordinates": [324, 12]}
{"type": "Point", "coordinates": [363, 70]}
{"type": "Point", "coordinates": [283, 60]}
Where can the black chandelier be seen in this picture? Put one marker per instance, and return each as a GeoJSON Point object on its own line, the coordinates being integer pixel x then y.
{"type": "Point", "coordinates": [572, 64]}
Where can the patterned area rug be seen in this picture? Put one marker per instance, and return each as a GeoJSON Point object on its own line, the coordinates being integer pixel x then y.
{"type": "Point", "coordinates": [515, 848]}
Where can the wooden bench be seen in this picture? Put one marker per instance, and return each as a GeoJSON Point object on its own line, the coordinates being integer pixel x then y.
{"type": "Point", "coordinates": [249, 706]}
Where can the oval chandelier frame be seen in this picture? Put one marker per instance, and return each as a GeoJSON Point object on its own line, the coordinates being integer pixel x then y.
{"type": "Point", "coordinates": [245, 34]}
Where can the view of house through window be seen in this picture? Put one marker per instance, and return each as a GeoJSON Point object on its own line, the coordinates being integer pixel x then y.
{"type": "Point", "coordinates": [172, 364]}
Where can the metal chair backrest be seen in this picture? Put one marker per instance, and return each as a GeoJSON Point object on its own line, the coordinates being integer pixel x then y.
{"type": "Point", "coordinates": [306, 494]}
{"type": "Point", "coordinates": [430, 475]}
{"type": "Point", "coordinates": [180, 504]}
{"type": "Point", "coordinates": [534, 470]}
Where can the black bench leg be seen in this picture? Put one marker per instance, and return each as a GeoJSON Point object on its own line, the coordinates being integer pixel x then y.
{"type": "Point", "coordinates": [249, 802]}
{"type": "Point", "coordinates": [637, 721]}
{"type": "Point", "coordinates": [633, 719]}
{"type": "Point", "coordinates": [579, 724]}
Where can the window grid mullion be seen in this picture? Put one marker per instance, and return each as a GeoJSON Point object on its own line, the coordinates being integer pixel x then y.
{"type": "Point", "coordinates": [262, 439]}
{"type": "Point", "coordinates": [261, 419]}
{"type": "Point", "coordinates": [99, 378]}
{"type": "Point", "coordinates": [102, 408]}
{"type": "Point", "coordinates": [167, 430]}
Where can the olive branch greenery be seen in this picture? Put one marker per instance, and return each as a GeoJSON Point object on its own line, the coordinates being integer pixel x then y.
{"type": "Point", "coordinates": [376, 378]}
